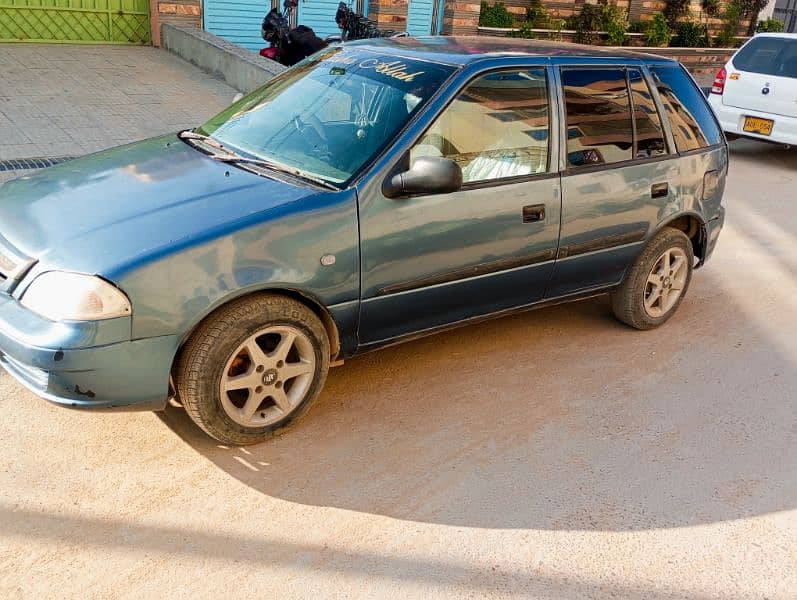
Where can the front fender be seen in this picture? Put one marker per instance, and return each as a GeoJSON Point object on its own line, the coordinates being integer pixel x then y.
{"type": "Point", "coordinates": [173, 292]}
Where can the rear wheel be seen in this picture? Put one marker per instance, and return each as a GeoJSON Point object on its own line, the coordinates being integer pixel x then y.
{"type": "Point", "coordinates": [657, 282]}
{"type": "Point", "coordinates": [253, 368]}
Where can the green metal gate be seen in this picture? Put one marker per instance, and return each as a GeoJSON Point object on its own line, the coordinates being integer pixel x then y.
{"type": "Point", "coordinates": [75, 21]}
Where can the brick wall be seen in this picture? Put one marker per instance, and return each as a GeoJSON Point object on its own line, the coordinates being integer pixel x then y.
{"type": "Point", "coordinates": [460, 17]}
{"type": "Point", "coordinates": [178, 12]}
{"type": "Point", "coordinates": [389, 14]}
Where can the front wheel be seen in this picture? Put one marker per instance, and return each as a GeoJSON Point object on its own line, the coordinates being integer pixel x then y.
{"type": "Point", "coordinates": [657, 282]}
{"type": "Point", "coordinates": [253, 368]}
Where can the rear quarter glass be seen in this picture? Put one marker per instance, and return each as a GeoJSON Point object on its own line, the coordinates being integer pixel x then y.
{"type": "Point", "coordinates": [691, 119]}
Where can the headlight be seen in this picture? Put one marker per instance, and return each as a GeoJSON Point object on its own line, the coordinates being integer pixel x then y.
{"type": "Point", "coordinates": [61, 296]}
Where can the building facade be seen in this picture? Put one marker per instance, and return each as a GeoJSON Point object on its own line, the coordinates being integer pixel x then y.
{"type": "Point", "coordinates": [239, 21]}
{"type": "Point", "coordinates": [786, 12]}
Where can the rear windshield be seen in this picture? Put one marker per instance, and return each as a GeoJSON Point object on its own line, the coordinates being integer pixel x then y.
{"type": "Point", "coordinates": [768, 56]}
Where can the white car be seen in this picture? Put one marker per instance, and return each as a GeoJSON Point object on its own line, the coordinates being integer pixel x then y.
{"type": "Point", "coordinates": [755, 94]}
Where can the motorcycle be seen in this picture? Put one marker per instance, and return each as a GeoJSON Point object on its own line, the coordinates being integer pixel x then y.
{"type": "Point", "coordinates": [289, 46]}
{"type": "Point", "coordinates": [357, 27]}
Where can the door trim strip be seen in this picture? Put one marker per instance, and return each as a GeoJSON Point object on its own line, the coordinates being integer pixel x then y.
{"type": "Point", "coordinates": [468, 272]}
{"type": "Point", "coordinates": [604, 243]}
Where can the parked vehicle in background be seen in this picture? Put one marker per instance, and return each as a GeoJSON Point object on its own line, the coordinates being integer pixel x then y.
{"type": "Point", "coordinates": [354, 26]}
{"type": "Point", "coordinates": [382, 190]}
{"type": "Point", "coordinates": [288, 46]}
{"type": "Point", "coordinates": [755, 94]}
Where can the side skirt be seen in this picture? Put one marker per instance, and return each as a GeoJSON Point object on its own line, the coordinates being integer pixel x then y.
{"type": "Point", "coordinates": [583, 295]}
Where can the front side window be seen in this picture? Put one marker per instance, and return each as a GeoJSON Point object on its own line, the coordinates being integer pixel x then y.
{"type": "Point", "coordinates": [691, 120]}
{"type": "Point", "coordinates": [327, 117]}
{"type": "Point", "coordinates": [649, 140]}
{"type": "Point", "coordinates": [599, 129]}
{"type": "Point", "coordinates": [498, 127]}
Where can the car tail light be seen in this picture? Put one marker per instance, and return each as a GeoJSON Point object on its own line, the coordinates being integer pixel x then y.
{"type": "Point", "coordinates": [719, 82]}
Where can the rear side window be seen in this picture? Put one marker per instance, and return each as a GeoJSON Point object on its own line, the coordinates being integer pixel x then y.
{"type": "Point", "coordinates": [691, 120]}
{"type": "Point", "coordinates": [768, 56]}
{"type": "Point", "coordinates": [599, 129]}
{"type": "Point", "coordinates": [649, 140]}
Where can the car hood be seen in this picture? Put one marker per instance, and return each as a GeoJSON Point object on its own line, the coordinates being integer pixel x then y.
{"type": "Point", "coordinates": [102, 213]}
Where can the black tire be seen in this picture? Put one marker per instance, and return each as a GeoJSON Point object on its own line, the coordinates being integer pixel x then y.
{"type": "Point", "coordinates": [628, 299]}
{"type": "Point", "coordinates": [202, 361]}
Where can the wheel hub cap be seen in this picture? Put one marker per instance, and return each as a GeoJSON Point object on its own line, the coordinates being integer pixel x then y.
{"type": "Point", "coordinates": [666, 282]}
{"type": "Point", "coordinates": [267, 376]}
{"type": "Point", "coordinates": [270, 377]}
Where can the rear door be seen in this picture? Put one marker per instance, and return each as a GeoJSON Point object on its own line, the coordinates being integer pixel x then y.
{"type": "Point", "coordinates": [763, 77]}
{"type": "Point", "coordinates": [619, 173]}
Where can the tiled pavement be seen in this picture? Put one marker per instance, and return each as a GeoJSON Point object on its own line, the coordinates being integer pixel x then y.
{"type": "Point", "coordinates": [63, 100]}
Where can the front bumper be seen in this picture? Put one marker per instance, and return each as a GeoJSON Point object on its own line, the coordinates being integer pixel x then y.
{"type": "Point", "coordinates": [731, 120]}
{"type": "Point", "coordinates": [85, 365]}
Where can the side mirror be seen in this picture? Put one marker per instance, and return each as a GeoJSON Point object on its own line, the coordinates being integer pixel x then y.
{"type": "Point", "coordinates": [429, 175]}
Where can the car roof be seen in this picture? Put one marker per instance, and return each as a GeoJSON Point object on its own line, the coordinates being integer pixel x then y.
{"type": "Point", "coordinates": [778, 34]}
{"type": "Point", "coordinates": [464, 50]}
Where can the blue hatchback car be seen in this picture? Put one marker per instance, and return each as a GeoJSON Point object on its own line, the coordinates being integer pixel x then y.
{"type": "Point", "coordinates": [374, 192]}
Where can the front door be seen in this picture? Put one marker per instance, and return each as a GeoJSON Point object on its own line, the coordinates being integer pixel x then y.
{"type": "Point", "coordinates": [428, 261]}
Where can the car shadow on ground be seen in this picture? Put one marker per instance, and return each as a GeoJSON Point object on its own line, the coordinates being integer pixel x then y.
{"type": "Point", "coordinates": [560, 418]}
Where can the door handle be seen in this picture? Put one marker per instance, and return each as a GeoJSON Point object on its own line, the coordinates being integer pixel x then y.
{"type": "Point", "coordinates": [659, 190]}
{"type": "Point", "coordinates": [533, 213]}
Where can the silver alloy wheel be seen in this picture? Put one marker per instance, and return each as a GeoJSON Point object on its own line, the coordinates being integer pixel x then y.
{"type": "Point", "coordinates": [666, 282]}
{"type": "Point", "coordinates": [268, 376]}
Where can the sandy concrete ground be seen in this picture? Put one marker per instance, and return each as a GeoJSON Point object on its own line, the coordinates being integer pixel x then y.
{"type": "Point", "coordinates": [553, 454]}
{"type": "Point", "coordinates": [69, 100]}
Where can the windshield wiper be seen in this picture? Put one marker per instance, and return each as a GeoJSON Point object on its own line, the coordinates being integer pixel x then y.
{"type": "Point", "coordinates": [267, 164]}
{"type": "Point", "coordinates": [230, 156]}
{"type": "Point", "coordinates": [206, 139]}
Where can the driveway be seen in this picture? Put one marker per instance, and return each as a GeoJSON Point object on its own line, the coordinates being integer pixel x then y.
{"type": "Point", "coordinates": [62, 100]}
{"type": "Point", "coordinates": [552, 454]}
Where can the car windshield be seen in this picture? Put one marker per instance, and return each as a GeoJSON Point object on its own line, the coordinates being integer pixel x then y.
{"type": "Point", "coordinates": [329, 115]}
{"type": "Point", "coordinates": [768, 56]}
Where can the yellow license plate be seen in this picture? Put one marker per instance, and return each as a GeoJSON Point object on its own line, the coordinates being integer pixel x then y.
{"type": "Point", "coordinates": [760, 126]}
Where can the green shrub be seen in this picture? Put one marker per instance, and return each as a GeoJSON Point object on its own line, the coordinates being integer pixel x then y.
{"type": "Point", "coordinates": [731, 16]}
{"type": "Point", "coordinates": [525, 31]}
{"type": "Point", "coordinates": [674, 9]}
{"type": "Point", "coordinates": [537, 15]}
{"type": "Point", "coordinates": [615, 23]}
{"type": "Point", "coordinates": [637, 27]}
{"type": "Point", "coordinates": [599, 17]}
{"type": "Point", "coordinates": [710, 7]}
{"type": "Point", "coordinates": [495, 16]}
{"type": "Point", "coordinates": [769, 26]}
{"type": "Point", "coordinates": [657, 32]}
{"type": "Point", "coordinates": [586, 23]}
{"type": "Point", "coordinates": [691, 35]}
